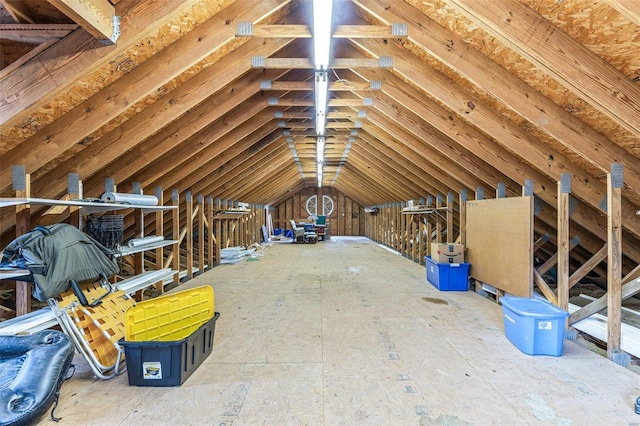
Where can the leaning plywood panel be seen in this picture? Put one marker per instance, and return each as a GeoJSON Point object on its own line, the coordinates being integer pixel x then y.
{"type": "Point", "coordinates": [500, 243]}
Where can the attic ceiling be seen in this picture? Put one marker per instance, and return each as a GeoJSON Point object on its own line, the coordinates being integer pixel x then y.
{"type": "Point", "coordinates": [475, 94]}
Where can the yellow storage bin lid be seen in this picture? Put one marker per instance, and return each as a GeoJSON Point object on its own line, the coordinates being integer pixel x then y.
{"type": "Point", "coordinates": [170, 317]}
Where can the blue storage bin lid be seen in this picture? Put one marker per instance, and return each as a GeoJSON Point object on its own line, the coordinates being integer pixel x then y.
{"type": "Point", "coordinates": [428, 259]}
{"type": "Point", "coordinates": [532, 307]}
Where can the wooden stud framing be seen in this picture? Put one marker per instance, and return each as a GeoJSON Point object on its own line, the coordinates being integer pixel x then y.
{"type": "Point", "coordinates": [614, 260]}
{"type": "Point", "coordinates": [201, 234]}
{"type": "Point", "coordinates": [188, 199]}
{"type": "Point", "coordinates": [564, 192]}
{"type": "Point", "coordinates": [159, 232]}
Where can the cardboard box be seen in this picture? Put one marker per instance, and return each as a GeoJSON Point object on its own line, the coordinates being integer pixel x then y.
{"type": "Point", "coordinates": [534, 326]}
{"type": "Point", "coordinates": [447, 253]}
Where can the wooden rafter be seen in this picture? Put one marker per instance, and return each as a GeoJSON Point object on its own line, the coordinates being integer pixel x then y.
{"type": "Point", "coordinates": [18, 11]}
{"type": "Point", "coordinates": [309, 85]}
{"type": "Point", "coordinates": [95, 16]}
{"type": "Point", "coordinates": [35, 34]}
{"type": "Point", "coordinates": [481, 71]}
{"type": "Point", "coordinates": [629, 8]}
{"type": "Point", "coordinates": [303, 31]}
{"type": "Point", "coordinates": [307, 63]}
{"type": "Point", "coordinates": [554, 51]}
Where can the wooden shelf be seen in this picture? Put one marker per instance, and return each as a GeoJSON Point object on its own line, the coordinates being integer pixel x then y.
{"type": "Point", "coordinates": [88, 207]}
{"type": "Point", "coordinates": [9, 274]}
{"type": "Point", "coordinates": [230, 214]}
{"type": "Point", "coordinates": [424, 210]}
{"type": "Point", "coordinates": [85, 207]}
{"type": "Point", "coordinates": [126, 250]}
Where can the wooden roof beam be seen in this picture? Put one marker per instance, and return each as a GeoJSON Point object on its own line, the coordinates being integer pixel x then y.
{"type": "Point", "coordinates": [558, 54]}
{"type": "Point", "coordinates": [286, 194]}
{"type": "Point", "coordinates": [18, 11]}
{"type": "Point", "coordinates": [241, 166]}
{"type": "Point", "coordinates": [35, 34]}
{"type": "Point", "coordinates": [197, 150]}
{"type": "Point", "coordinates": [584, 215]}
{"type": "Point", "coordinates": [94, 112]}
{"type": "Point", "coordinates": [413, 168]}
{"type": "Point", "coordinates": [219, 164]}
{"type": "Point", "coordinates": [244, 182]}
{"type": "Point", "coordinates": [289, 102]}
{"type": "Point", "coordinates": [248, 29]}
{"type": "Point", "coordinates": [55, 70]}
{"type": "Point", "coordinates": [352, 176]}
{"type": "Point", "coordinates": [516, 94]}
{"type": "Point", "coordinates": [309, 85]}
{"type": "Point", "coordinates": [629, 8]}
{"type": "Point", "coordinates": [97, 17]}
{"type": "Point", "coordinates": [400, 143]}
{"type": "Point", "coordinates": [307, 63]}
{"type": "Point", "coordinates": [143, 127]}
{"type": "Point", "coordinates": [269, 187]}
{"type": "Point", "coordinates": [506, 133]}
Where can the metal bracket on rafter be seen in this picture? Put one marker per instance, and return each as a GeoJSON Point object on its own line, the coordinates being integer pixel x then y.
{"type": "Point", "coordinates": [400, 30]}
{"type": "Point", "coordinates": [245, 29]}
{"type": "Point", "coordinates": [116, 31]}
{"type": "Point", "coordinates": [257, 62]}
{"type": "Point", "coordinates": [265, 84]}
{"type": "Point", "coordinates": [386, 61]}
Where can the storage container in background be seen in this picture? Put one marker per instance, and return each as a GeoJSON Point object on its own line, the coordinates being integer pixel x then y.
{"type": "Point", "coordinates": [170, 317]}
{"type": "Point", "coordinates": [447, 276]}
{"type": "Point", "coordinates": [168, 363]}
{"type": "Point", "coordinates": [534, 326]}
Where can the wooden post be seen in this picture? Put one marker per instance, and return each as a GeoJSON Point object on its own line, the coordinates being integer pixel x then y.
{"type": "Point", "coordinates": [219, 237]}
{"type": "Point", "coordinates": [188, 198]}
{"type": "Point", "coordinates": [138, 258]}
{"type": "Point", "coordinates": [210, 231]}
{"type": "Point", "coordinates": [463, 217]}
{"type": "Point", "coordinates": [22, 187]}
{"type": "Point", "coordinates": [201, 232]}
{"type": "Point", "coordinates": [74, 191]}
{"type": "Point", "coordinates": [439, 201]}
{"type": "Point", "coordinates": [450, 217]}
{"type": "Point", "coordinates": [159, 232]}
{"type": "Point", "coordinates": [397, 212]}
{"type": "Point", "coordinates": [614, 260]}
{"type": "Point", "coordinates": [429, 226]}
{"type": "Point", "coordinates": [564, 189]}
{"type": "Point", "coordinates": [175, 217]}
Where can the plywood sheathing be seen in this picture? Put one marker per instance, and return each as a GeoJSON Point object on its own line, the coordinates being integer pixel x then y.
{"type": "Point", "coordinates": [105, 75]}
{"type": "Point", "coordinates": [102, 77]}
{"type": "Point", "coordinates": [581, 18]}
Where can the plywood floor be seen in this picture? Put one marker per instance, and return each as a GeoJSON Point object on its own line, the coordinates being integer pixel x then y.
{"type": "Point", "coordinates": [344, 332]}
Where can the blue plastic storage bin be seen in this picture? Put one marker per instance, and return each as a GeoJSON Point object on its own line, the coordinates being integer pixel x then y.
{"type": "Point", "coordinates": [447, 276]}
{"type": "Point", "coordinates": [534, 326]}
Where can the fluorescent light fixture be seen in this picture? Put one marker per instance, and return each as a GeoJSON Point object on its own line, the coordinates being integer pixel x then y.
{"type": "Point", "coordinates": [322, 16]}
{"type": "Point", "coordinates": [320, 150]}
{"type": "Point", "coordinates": [321, 94]}
{"type": "Point", "coordinates": [322, 12]}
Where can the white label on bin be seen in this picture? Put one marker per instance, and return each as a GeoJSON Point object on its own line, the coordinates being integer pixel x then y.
{"type": "Point", "coordinates": [151, 370]}
{"type": "Point", "coordinates": [545, 325]}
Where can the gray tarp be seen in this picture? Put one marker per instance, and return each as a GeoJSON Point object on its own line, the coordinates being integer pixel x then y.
{"type": "Point", "coordinates": [57, 254]}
